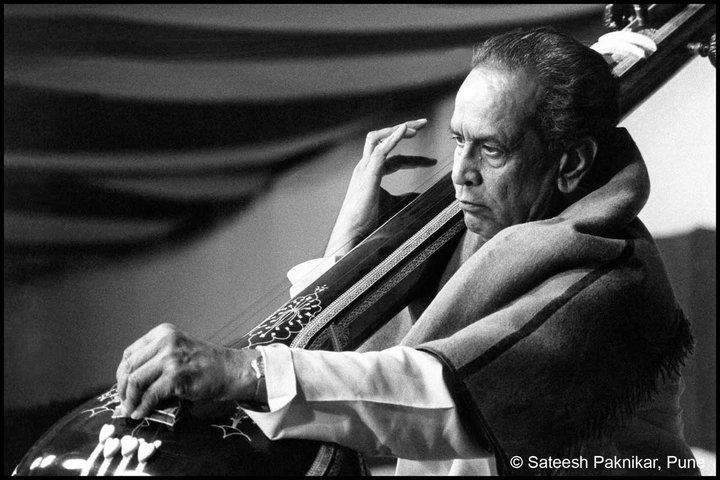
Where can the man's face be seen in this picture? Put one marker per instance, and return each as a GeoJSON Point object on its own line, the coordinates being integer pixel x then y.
{"type": "Point", "coordinates": [501, 171]}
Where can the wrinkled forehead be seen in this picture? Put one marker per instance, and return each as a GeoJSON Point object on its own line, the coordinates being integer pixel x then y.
{"type": "Point", "coordinates": [492, 95]}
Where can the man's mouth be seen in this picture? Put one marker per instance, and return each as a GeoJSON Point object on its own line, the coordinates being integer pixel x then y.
{"type": "Point", "coordinates": [471, 206]}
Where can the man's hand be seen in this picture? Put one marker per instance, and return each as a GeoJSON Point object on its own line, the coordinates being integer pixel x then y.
{"type": "Point", "coordinates": [167, 362]}
{"type": "Point", "coordinates": [359, 213]}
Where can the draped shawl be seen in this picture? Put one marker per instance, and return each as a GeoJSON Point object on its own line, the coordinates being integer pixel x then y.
{"type": "Point", "coordinates": [555, 332]}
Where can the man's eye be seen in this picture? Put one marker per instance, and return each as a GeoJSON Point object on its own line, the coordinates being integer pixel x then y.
{"type": "Point", "coordinates": [491, 152]}
{"type": "Point", "coordinates": [458, 140]}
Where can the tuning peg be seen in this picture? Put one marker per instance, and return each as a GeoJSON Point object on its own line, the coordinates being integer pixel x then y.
{"type": "Point", "coordinates": [619, 15]}
{"type": "Point", "coordinates": [111, 447]}
{"type": "Point", "coordinates": [106, 432]}
{"type": "Point", "coordinates": [128, 445]}
{"type": "Point", "coordinates": [706, 49]}
{"type": "Point", "coordinates": [145, 451]}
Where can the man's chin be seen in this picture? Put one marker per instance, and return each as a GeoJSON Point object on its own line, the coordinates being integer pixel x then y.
{"type": "Point", "coordinates": [479, 226]}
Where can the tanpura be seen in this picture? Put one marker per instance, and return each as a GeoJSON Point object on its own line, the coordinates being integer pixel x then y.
{"type": "Point", "coordinates": [339, 311]}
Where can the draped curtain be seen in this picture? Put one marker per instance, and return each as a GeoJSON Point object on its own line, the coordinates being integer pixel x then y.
{"type": "Point", "coordinates": [133, 126]}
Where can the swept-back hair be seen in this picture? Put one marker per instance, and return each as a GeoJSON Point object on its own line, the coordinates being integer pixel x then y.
{"type": "Point", "coordinates": [580, 94]}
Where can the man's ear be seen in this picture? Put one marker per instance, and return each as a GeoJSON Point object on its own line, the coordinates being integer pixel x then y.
{"type": "Point", "coordinates": [575, 162]}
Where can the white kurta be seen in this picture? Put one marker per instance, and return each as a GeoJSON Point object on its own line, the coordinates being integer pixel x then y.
{"type": "Point", "coordinates": [393, 402]}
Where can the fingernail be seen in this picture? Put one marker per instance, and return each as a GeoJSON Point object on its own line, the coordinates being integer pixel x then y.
{"type": "Point", "coordinates": [135, 415]}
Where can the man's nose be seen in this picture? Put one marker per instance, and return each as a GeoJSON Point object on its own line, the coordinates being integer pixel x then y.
{"type": "Point", "coordinates": [464, 171]}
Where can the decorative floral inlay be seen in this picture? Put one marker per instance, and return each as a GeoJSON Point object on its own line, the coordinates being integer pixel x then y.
{"type": "Point", "coordinates": [289, 320]}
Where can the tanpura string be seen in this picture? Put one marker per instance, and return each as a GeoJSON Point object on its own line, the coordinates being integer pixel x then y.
{"type": "Point", "coordinates": [278, 294]}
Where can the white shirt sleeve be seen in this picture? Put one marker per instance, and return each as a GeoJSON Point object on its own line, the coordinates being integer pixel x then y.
{"type": "Point", "coordinates": [305, 273]}
{"type": "Point", "coordinates": [392, 402]}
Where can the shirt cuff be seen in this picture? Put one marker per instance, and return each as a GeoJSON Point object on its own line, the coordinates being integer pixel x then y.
{"type": "Point", "coordinates": [280, 379]}
{"type": "Point", "coordinates": [307, 272]}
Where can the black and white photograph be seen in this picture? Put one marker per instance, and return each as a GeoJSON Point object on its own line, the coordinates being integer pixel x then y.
{"type": "Point", "coordinates": [270, 240]}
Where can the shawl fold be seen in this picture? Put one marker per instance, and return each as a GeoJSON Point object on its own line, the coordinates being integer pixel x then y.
{"type": "Point", "coordinates": [556, 332]}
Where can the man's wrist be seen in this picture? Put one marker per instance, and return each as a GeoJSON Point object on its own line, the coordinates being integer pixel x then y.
{"type": "Point", "coordinates": [258, 366]}
{"type": "Point", "coordinates": [240, 376]}
{"type": "Point", "coordinates": [251, 389]}
{"type": "Point", "coordinates": [345, 237]}
{"type": "Point", "coordinates": [279, 386]}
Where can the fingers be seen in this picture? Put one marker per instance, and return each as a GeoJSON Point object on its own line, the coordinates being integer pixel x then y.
{"type": "Point", "coordinates": [160, 389]}
{"type": "Point", "coordinates": [378, 136]}
{"type": "Point", "coordinates": [412, 125]}
{"type": "Point", "coordinates": [131, 362]}
{"type": "Point", "coordinates": [127, 364]}
{"type": "Point", "coordinates": [140, 352]}
{"type": "Point", "coordinates": [134, 357]}
{"type": "Point", "coordinates": [137, 386]}
{"type": "Point", "coordinates": [388, 143]}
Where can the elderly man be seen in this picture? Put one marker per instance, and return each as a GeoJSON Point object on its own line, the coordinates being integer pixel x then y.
{"type": "Point", "coordinates": [553, 341]}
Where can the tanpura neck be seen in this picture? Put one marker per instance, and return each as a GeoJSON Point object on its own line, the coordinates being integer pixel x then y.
{"type": "Point", "coordinates": [469, 244]}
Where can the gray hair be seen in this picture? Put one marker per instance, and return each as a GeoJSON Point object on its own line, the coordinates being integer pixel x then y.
{"type": "Point", "coordinates": [580, 93]}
